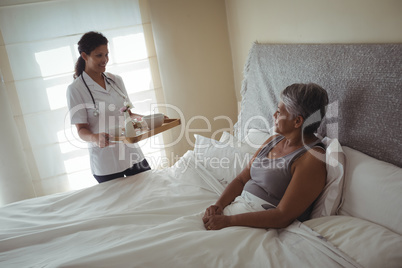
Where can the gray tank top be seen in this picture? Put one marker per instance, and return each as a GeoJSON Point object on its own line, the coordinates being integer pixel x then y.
{"type": "Point", "coordinates": [271, 177]}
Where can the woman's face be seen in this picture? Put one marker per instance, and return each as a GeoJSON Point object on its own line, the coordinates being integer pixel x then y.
{"type": "Point", "coordinates": [284, 122]}
{"type": "Point", "coordinates": [96, 61]}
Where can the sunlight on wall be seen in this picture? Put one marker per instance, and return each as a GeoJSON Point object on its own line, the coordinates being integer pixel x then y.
{"type": "Point", "coordinates": [55, 61]}
{"type": "Point", "coordinates": [129, 48]}
{"type": "Point", "coordinates": [76, 163]}
{"type": "Point", "coordinates": [67, 147]}
{"type": "Point", "coordinates": [137, 80]}
{"type": "Point", "coordinates": [57, 96]}
{"type": "Point", "coordinates": [69, 135]}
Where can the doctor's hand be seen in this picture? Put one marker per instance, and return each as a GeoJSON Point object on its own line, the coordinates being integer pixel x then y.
{"type": "Point", "coordinates": [101, 139]}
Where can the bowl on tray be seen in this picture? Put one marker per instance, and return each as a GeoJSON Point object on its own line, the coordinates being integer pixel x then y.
{"type": "Point", "coordinates": [154, 120]}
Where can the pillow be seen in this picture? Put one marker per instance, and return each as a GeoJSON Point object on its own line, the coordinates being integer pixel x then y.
{"type": "Point", "coordinates": [372, 190]}
{"type": "Point", "coordinates": [251, 142]}
{"type": "Point", "coordinates": [232, 141]}
{"type": "Point", "coordinates": [221, 159]}
{"type": "Point", "coordinates": [369, 244]}
{"type": "Point", "coordinates": [255, 137]}
{"type": "Point", "coordinates": [329, 200]}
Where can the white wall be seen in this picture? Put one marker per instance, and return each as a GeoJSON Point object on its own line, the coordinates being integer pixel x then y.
{"type": "Point", "coordinates": [309, 21]}
{"type": "Point", "coordinates": [192, 44]}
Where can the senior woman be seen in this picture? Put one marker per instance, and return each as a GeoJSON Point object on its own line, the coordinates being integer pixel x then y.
{"type": "Point", "coordinates": [286, 175]}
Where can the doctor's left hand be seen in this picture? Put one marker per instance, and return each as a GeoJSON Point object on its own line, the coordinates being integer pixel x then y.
{"type": "Point", "coordinates": [101, 139]}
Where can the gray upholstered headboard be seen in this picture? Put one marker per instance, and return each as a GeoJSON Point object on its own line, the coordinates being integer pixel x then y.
{"type": "Point", "coordinates": [363, 81]}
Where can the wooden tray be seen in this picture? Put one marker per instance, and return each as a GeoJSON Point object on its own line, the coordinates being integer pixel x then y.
{"type": "Point", "coordinates": [167, 124]}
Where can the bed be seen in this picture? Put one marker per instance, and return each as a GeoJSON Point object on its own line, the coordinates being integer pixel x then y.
{"type": "Point", "coordinates": [154, 219]}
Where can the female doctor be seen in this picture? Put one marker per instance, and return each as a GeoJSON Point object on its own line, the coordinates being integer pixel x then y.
{"type": "Point", "coordinates": [94, 100]}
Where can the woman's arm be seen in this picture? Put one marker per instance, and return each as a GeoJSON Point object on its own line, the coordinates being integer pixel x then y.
{"type": "Point", "coordinates": [101, 139]}
{"type": "Point", "coordinates": [307, 182]}
{"type": "Point", "coordinates": [234, 189]}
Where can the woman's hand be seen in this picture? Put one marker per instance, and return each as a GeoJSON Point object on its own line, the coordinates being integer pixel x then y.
{"type": "Point", "coordinates": [213, 210]}
{"type": "Point", "coordinates": [216, 222]}
{"type": "Point", "coordinates": [213, 218]}
{"type": "Point", "coordinates": [101, 139]}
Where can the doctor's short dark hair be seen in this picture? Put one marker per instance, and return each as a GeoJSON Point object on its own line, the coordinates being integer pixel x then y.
{"type": "Point", "coordinates": [307, 100]}
{"type": "Point", "coordinates": [88, 42]}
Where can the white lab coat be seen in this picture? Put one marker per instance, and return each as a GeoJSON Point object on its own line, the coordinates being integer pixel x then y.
{"type": "Point", "coordinates": [116, 157]}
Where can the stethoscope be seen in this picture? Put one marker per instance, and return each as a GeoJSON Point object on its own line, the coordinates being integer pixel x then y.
{"type": "Point", "coordinates": [118, 90]}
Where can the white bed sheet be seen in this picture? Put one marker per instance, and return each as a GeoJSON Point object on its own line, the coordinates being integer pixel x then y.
{"type": "Point", "coordinates": [152, 219]}
{"type": "Point", "coordinates": [370, 244]}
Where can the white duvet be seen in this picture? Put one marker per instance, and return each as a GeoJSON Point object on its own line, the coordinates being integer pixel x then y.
{"type": "Point", "coordinates": [152, 219]}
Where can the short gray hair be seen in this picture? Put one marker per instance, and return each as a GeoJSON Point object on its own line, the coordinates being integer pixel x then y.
{"type": "Point", "coordinates": [307, 100]}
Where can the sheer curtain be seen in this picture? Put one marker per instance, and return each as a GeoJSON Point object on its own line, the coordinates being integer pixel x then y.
{"type": "Point", "coordinates": [40, 43]}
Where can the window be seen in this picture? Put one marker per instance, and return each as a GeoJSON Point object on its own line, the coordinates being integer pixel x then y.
{"type": "Point", "coordinates": [40, 41]}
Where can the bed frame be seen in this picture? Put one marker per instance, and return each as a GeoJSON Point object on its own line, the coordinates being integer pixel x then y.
{"type": "Point", "coordinates": [363, 81]}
